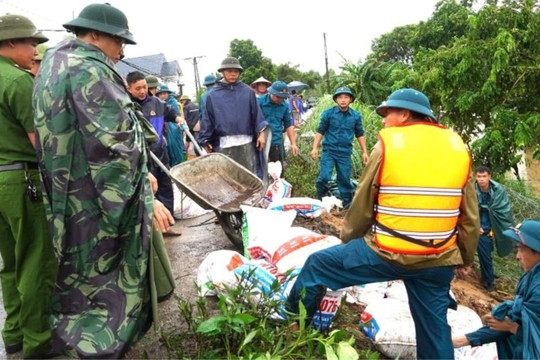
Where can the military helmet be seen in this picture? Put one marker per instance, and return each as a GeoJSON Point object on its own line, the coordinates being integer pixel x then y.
{"type": "Point", "coordinates": [408, 99]}
{"type": "Point", "coordinates": [19, 27]}
{"type": "Point", "coordinates": [152, 81]}
{"type": "Point", "coordinates": [104, 18]}
{"type": "Point", "coordinates": [343, 90]}
{"type": "Point", "coordinates": [163, 88]}
{"type": "Point", "coordinates": [230, 63]}
{"type": "Point", "coordinates": [209, 80]}
{"type": "Point", "coordinates": [184, 97]}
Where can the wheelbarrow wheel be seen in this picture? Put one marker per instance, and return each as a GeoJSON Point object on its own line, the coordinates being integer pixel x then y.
{"type": "Point", "coordinates": [231, 223]}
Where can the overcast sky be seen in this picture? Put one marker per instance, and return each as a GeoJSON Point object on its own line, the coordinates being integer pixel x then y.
{"type": "Point", "coordinates": [285, 31]}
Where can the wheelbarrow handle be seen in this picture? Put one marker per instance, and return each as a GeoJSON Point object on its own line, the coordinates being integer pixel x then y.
{"type": "Point", "coordinates": [192, 138]}
{"type": "Point", "coordinates": [160, 164]}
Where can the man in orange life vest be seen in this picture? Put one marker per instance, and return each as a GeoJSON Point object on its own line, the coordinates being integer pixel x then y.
{"type": "Point", "coordinates": [417, 196]}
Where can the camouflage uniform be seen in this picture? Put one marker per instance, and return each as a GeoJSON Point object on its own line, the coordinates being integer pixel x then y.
{"type": "Point", "coordinates": [98, 200]}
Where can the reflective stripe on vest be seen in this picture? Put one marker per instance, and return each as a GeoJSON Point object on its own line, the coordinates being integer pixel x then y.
{"type": "Point", "coordinates": [423, 171]}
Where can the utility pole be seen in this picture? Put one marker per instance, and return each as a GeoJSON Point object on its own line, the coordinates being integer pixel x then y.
{"type": "Point", "coordinates": [195, 60]}
{"type": "Point", "coordinates": [326, 62]}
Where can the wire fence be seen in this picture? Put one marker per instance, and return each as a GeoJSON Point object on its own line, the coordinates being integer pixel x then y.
{"type": "Point", "coordinates": [524, 205]}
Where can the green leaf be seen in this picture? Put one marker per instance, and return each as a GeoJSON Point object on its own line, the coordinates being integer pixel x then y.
{"type": "Point", "coordinates": [243, 318]}
{"type": "Point", "coordinates": [346, 352]}
{"type": "Point", "coordinates": [247, 339]}
{"type": "Point", "coordinates": [330, 353]}
{"type": "Point", "coordinates": [212, 326]}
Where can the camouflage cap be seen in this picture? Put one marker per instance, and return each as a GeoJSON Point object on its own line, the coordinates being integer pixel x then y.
{"type": "Point", "coordinates": [19, 27]}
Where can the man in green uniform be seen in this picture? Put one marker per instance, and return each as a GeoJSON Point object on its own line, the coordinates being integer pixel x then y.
{"type": "Point", "coordinates": [29, 265]}
{"type": "Point", "coordinates": [99, 203]}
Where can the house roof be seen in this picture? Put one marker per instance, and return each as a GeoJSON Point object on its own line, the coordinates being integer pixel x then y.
{"type": "Point", "coordinates": [150, 65]}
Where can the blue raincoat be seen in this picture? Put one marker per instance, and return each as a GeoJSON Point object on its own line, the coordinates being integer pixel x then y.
{"type": "Point", "coordinates": [524, 309]}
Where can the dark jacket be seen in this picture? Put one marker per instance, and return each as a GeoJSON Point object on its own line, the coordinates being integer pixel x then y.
{"type": "Point", "coordinates": [191, 114]}
{"type": "Point", "coordinates": [231, 109]}
{"type": "Point", "coordinates": [157, 112]}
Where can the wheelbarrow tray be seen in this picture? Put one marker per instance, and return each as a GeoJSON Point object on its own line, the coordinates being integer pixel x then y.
{"type": "Point", "coordinates": [215, 181]}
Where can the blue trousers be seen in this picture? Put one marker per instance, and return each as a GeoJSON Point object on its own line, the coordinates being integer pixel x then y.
{"type": "Point", "coordinates": [355, 263]}
{"type": "Point", "coordinates": [342, 163]}
{"type": "Point", "coordinates": [485, 251]}
{"type": "Point", "coordinates": [165, 192]}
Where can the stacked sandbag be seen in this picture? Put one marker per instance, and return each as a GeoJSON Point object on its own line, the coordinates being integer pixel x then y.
{"type": "Point", "coordinates": [389, 325]}
{"type": "Point", "coordinates": [274, 251]}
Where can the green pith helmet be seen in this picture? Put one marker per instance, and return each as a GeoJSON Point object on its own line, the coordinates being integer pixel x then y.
{"type": "Point", "coordinates": [19, 27]}
{"type": "Point", "coordinates": [408, 99]}
{"type": "Point", "coordinates": [152, 81]}
{"type": "Point", "coordinates": [343, 90]}
{"type": "Point", "coordinates": [104, 18]}
{"type": "Point", "coordinates": [230, 63]}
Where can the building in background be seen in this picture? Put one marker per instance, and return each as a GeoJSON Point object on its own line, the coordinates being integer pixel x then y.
{"type": "Point", "coordinates": [169, 72]}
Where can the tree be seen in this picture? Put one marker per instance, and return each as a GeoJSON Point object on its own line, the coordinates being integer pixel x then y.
{"type": "Point", "coordinates": [487, 82]}
{"type": "Point", "coordinates": [372, 80]}
{"type": "Point", "coordinates": [254, 63]}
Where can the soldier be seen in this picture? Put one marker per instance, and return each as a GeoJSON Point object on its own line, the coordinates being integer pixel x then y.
{"type": "Point", "coordinates": [99, 203]}
{"type": "Point", "coordinates": [29, 265]}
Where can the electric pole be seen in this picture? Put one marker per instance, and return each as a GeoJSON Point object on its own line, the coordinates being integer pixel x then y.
{"type": "Point", "coordinates": [195, 60]}
{"type": "Point", "coordinates": [326, 62]}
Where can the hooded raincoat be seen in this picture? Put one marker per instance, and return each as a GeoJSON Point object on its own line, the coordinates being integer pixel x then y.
{"type": "Point", "coordinates": [92, 156]}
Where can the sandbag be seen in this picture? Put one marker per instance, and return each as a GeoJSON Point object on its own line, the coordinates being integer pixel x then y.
{"type": "Point", "coordinates": [279, 188]}
{"type": "Point", "coordinates": [389, 325]}
{"type": "Point", "coordinates": [294, 253]}
{"type": "Point", "coordinates": [215, 268]}
{"type": "Point", "coordinates": [305, 207]}
{"type": "Point", "coordinates": [257, 223]}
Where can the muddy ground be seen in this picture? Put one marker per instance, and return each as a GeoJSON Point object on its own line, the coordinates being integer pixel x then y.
{"type": "Point", "coordinates": [202, 235]}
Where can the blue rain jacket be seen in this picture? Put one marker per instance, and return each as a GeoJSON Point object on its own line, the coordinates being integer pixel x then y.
{"type": "Point", "coordinates": [339, 129]}
{"type": "Point", "coordinates": [277, 116]}
{"type": "Point", "coordinates": [231, 109]}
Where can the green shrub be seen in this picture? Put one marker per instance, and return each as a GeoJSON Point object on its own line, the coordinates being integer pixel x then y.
{"type": "Point", "coordinates": [243, 328]}
{"type": "Point", "coordinates": [302, 171]}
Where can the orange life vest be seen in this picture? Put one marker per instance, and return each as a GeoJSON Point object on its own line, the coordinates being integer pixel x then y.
{"type": "Point", "coordinates": [423, 172]}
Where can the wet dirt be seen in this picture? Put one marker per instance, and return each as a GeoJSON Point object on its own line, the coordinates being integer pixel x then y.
{"type": "Point", "coordinates": [200, 236]}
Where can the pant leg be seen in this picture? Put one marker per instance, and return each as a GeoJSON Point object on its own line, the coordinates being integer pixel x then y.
{"type": "Point", "coordinates": [485, 256]}
{"type": "Point", "coordinates": [355, 263]}
{"type": "Point", "coordinates": [343, 169]}
{"type": "Point", "coordinates": [165, 193]}
{"type": "Point", "coordinates": [275, 154]}
{"type": "Point", "coordinates": [325, 174]}
{"type": "Point", "coordinates": [35, 264]}
{"type": "Point", "coordinates": [429, 299]}
{"type": "Point", "coordinates": [338, 267]}
{"type": "Point", "coordinates": [11, 332]}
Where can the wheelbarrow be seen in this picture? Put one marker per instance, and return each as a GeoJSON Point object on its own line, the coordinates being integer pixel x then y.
{"type": "Point", "coordinates": [216, 182]}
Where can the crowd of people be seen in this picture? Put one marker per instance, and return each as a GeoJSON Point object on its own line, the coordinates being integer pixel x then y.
{"type": "Point", "coordinates": [83, 207]}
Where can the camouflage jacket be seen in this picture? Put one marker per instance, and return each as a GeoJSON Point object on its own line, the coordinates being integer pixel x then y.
{"type": "Point", "coordinates": [92, 157]}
